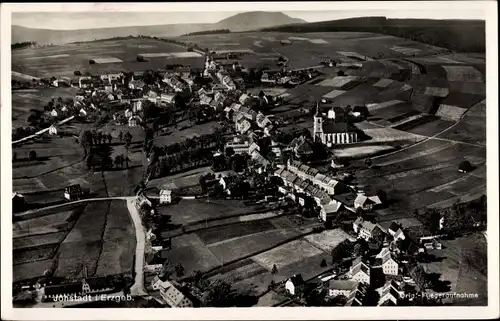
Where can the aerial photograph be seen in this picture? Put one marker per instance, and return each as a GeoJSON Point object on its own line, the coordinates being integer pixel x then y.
{"type": "Point", "coordinates": [248, 159]}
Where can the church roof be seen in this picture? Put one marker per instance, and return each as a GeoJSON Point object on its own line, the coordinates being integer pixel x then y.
{"type": "Point", "coordinates": [331, 127]}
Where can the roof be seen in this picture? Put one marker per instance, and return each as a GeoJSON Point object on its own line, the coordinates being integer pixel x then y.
{"type": "Point", "coordinates": [369, 226]}
{"type": "Point", "coordinates": [67, 288]}
{"type": "Point", "coordinates": [165, 192]}
{"type": "Point", "coordinates": [73, 189]}
{"type": "Point", "coordinates": [342, 285]}
{"type": "Point", "coordinates": [360, 267]}
{"type": "Point", "coordinates": [331, 127]}
{"type": "Point", "coordinates": [173, 296]}
{"type": "Point", "coordinates": [333, 207]}
{"type": "Point", "coordinates": [99, 283]}
{"type": "Point", "coordinates": [297, 279]}
{"type": "Point", "coordinates": [394, 226]}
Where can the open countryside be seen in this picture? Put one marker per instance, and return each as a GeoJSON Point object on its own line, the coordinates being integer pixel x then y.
{"type": "Point", "coordinates": [252, 168]}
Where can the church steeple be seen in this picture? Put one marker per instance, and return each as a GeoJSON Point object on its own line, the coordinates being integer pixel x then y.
{"type": "Point", "coordinates": [318, 124]}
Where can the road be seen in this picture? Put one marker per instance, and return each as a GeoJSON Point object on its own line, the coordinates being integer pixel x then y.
{"type": "Point", "coordinates": [137, 288]}
{"type": "Point", "coordinates": [41, 131]}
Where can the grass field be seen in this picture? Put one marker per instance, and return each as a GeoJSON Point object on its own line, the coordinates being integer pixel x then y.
{"type": "Point", "coordinates": [189, 211]}
{"type": "Point", "coordinates": [455, 268]}
{"type": "Point", "coordinates": [471, 128]}
{"type": "Point", "coordinates": [73, 57]}
{"type": "Point", "coordinates": [98, 235]}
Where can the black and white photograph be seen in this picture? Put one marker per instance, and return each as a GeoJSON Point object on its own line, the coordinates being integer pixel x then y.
{"type": "Point", "coordinates": [249, 155]}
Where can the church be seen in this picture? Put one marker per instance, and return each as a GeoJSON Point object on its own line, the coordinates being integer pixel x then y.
{"type": "Point", "coordinates": [331, 133]}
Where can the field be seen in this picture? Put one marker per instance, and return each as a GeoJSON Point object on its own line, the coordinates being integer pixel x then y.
{"type": "Point", "coordinates": [460, 266]}
{"type": "Point", "coordinates": [190, 211]}
{"type": "Point", "coordinates": [62, 61]}
{"type": "Point", "coordinates": [98, 235]}
{"type": "Point", "coordinates": [426, 175]}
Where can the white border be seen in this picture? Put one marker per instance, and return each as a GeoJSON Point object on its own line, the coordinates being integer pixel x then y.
{"type": "Point", "coordinates": [492, 311]}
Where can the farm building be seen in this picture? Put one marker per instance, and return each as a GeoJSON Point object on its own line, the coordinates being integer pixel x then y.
{"type": "Point", "coordinates": [171, 295]}
{"type": "Point", "coordinates": [366, 229]}
{"type": "Point", "coordinates": [128, 113]}
{"type": "Point", "coordinates": [366, 202]}
{"type": "Point", "coordinates": [18, 202]}
{"type": "Point", "coordinates": [83, 112]}
{"type": "Point", "coordinates": [136, 84]}
{"type": "Point", "coordinates": [341, 287]}
{"type": "Point", "coordinates": [294, 283]}
{"type": "Point", "coordinates": [53, 113]}
{"type": "Point", "coordinates": [465, 167]}
{"type": "Point", "coordinates": [73, 192]}
{"type": "Point", "coordinates": [52, 130]}
{"type": "Point", "coordinates": [165, 196]}
{"type": "Point", "coordinates": [104, 60]}
{"type": "Point", "coordinates": [167, 98]}
{"type": "Point", "coordinates": [134, 121]}
{"type": "Point", "coordinates": [330, 211]}
{"type": "Point", "coordinates": [84, 82]}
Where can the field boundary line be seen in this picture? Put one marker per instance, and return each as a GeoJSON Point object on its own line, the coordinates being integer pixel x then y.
{"type": "Point", "coordinates": [102, 237]}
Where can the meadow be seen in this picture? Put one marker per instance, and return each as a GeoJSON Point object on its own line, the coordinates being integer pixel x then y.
{"type": "Point", "coordinates": [98, 235]}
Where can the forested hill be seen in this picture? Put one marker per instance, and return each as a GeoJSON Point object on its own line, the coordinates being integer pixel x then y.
{"type": "Point", "coordinates": [457, 35]}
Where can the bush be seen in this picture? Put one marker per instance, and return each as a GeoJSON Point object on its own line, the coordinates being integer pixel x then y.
{"type": "Point", "coordinates": [32, 155]}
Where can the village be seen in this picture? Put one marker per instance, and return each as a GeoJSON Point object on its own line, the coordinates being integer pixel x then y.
{"type": "Point", "coordinates": [251, 160]}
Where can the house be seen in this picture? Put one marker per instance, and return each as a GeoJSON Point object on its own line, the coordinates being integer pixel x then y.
{"type": "Point", "coordinates": [228, 82]}
{"type": "Point", "coordinates": [151, 95]}
{"type": "Point", "coordinates": [128, 113]}
{"type": "Point", "coordinates": [238, 148]}
{"type": "Point", "coordinates": [330, 211]}
{"type": "Point", "coordinates": [171, 295]}
{"type": "Point", "coordinates": [341, 287]}
{"type": "Point", "coordinates": [53, 113]}
{"type": "Point", "coordinates": [226, 181]}
{"type": "Point", "coordinates": [141, 200]}
{"type": "Point", "coordinates": [386, 262]}
{"type": "Point", "coordinates": [368, 230]}
{"type": "Point", "coordinates": [84, 82]}
{"type": "Point", "coordinates": [359, 271]}
{"type": "Point", "coordinates": [243, 125]}
{"type": "Point", "coordinates": [262, 120]}
{"type": "Point", "coordinates": [294, 284]}
{"type": "Point", "coordinates": [96, 285]}
{"type": "Point", "coordinates": [83, 112]}
{"type": "Point", "coordinates": [52, 130]}
{"type": "Point", "coordinates": [205, 100]}
{"type": "Point", "coordinates": [396, 232]}
{"type": "Point", "coordinates": [367, 201]}
{"type": "Point", "coordinates": [244, 99]}
{"type": "Point", "coordinates": [301, 147]}
{"type": "Point", "coordinates": [134, 121]}
{"type": "Point", "coordinates": [73, 192]}
{"type": "Point", "coordinates": [136, 105]}
{"type": "Point", "coordinates": [356, 297]}
{"type": "Point", "coordinates": [165, 196]}
{"type": "Point", "coordinates": [167, 98]}
{"type": "Point", "coordinates": [136, 84]}
{"type": "Point", "coordinates": [357, 224]}
{"type": "Point", "coordinates": [390, 294]}
{"type": "Point", "coordinates": [18, 202]}
{"type": "Point", "coordinates": [153, 263]}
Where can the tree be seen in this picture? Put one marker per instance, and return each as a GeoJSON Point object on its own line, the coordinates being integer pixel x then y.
{"type": "Point", "coordinates": [167, 270]}
{"type": "Point", "coordinates": [77, 73]}
{"type": "Point", "coordinates": [120, 136]}
{"type": "Point", "coordinates": [465, 166]}
{"type": "Point", "coordinates": [128, 139]}
{"type": "Point", "coordinates": [323, 263]}
{"type": "Point", "coordinates": [368, 162]}
{"type": "Point", "coordinates": [14, 157]}
{"type": "Point", "coordinates": [110, 138]}
{"type": "Point", "coordinates": [274, 270]}
{"type": "Point", "coordinates": [218, 294]}
{"type": "Point", "coordinates": [32, 155]}
{"type": "Point", "coordinates": [229, 152]}
{"type": "Point", "coordinates": [340, 73]}
{"type": "Point", "coordinates": [179, 270]}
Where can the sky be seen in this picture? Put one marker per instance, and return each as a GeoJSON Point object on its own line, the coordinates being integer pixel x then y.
{"type": "Point", "coordinates": [87, 20]}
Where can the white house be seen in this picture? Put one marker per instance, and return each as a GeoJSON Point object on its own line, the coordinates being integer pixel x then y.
{"type": "Point", "coordinates": [359, 271]}
{"type": "Point", "coordinates": [389, 266]}
{"type": "Point", "coordinates": [366, 202]}
{"type": "Point", "coordinates": [165, 196]}
{"type": "Point", "coordinates": [128, 113]}
{"type": "Point", "coordinates": [52, 130]}
{"type": "Point", "coordinates": [368, 230]}
{"type": "Point", "coordinates": [83, 112]}
{"type": "Point", "coordinates": [396, 232]}
{"type": "Point", "coordinates": [171, 295]}
{"type": "Point", "coordinates": [293, 283]}
{"type": "Point", "coordinates": [137, 105]}
{"type": "Point", "coordinates": [53, 113]}
{"type": "Point", "coordinates": [134, 121]}
{"type": "Point", "coordinates": [341, 287]}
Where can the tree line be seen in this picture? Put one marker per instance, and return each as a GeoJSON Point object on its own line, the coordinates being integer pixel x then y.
{"type": "Point", "coordinates": [25, 44]}
{"type": "Point", "coordinates": [207, 32]}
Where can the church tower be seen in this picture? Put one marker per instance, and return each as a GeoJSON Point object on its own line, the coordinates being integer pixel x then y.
{"type": "Point", "coordinates": [318, 124]}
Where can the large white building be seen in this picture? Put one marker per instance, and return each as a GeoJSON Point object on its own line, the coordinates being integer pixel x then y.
{"type": "Point", "coordinates": [331, 133]}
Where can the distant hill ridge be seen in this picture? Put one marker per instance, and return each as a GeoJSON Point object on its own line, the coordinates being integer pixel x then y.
{"type": "Point", "coordinates": [458, 35]}
{"type": "Point", "coordinates": [240, 22]}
